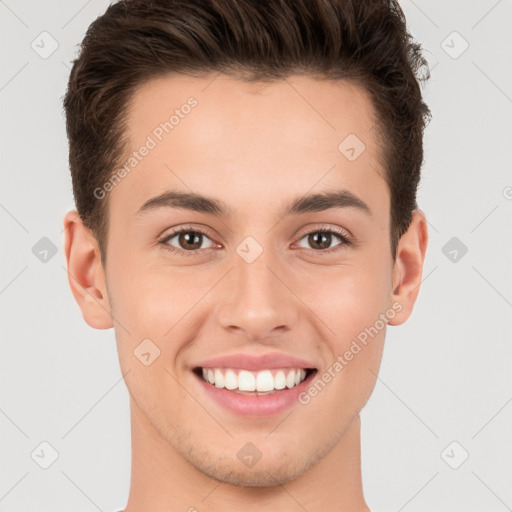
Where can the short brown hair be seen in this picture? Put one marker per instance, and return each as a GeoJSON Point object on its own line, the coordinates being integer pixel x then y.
{"type": "Point", "coordinates": [365, 41]}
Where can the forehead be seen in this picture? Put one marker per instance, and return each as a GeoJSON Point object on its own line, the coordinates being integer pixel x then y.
{"type": "Point", "coordinates": [300, 108]}
{"type": "Point", "coordinates": [250, 144]}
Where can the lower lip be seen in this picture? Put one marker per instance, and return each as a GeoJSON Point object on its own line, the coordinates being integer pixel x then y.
{"type": "Point", "coordinates": [256, 405]}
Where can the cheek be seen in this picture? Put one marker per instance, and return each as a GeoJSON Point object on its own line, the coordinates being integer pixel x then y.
{"type": "Point", "coordinates": [150, 297]}
{"type": "Point", "coordinates": [352, 305]}
{"type": "Point", "coordinates": [150, 305]}
{"type": "Point", "coordinates": [156, 303]}
{"type": "Point", "coordinates": [351, 299]}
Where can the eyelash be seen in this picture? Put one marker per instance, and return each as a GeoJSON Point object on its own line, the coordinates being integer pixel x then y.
{"type": "Point", "coordinates": [346, 242]}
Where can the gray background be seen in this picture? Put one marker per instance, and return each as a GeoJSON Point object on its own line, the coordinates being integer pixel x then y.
{"type": "Point", "coordinates": [446, 374]}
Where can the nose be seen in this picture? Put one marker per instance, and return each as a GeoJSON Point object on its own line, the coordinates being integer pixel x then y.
{"type": "Point", "coordinates": [258, 298]}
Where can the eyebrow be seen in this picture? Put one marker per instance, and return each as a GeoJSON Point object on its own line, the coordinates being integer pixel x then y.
{"type": "Point", "coordinates": [306, 204]}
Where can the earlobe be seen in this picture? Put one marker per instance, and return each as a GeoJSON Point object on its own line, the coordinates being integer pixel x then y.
{"type": "Point", "coordinates": [86, 275]}
{"type": "Point", "coordinates": [408, 268]}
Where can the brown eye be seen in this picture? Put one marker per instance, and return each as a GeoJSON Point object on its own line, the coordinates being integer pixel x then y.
{"type": "Point", "coordinates": [188, 241]}
{"type": "Point", "coordinates": [321, 240]}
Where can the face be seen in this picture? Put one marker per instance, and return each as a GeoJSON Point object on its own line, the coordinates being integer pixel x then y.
{"type": "Point", "coordinates": [256, 277]}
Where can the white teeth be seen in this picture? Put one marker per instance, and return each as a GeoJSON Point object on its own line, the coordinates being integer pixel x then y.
{"type": "Point", "coordinates": [219, 378]}
{"type": "Point", "coordinates": [280, 380]}
{"type": "Point", "coordinates": [290, 380]}
{"type": "Point", "coordinates": [262, 381]}
{"type": "Point", "coordinates": [231, 380]}
{"type": "Point", "coordinates": [246, 381]}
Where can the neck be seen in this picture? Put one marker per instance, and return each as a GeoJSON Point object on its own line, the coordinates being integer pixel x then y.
{"type": "Point", "coordinates": [163, 481]}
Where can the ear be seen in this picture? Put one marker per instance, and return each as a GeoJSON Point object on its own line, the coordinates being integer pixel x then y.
{"type": "Point", "coordinates": [408, 267]}
{"type": "Point", "coordinates": [86, 275]}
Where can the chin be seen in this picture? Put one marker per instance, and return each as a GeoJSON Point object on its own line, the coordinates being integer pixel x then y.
{"type": "Point", "coordinates": [254, 477]}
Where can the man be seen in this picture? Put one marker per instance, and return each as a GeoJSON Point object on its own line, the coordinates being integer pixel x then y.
{"type": "Point", "coordinates": [245, 176]}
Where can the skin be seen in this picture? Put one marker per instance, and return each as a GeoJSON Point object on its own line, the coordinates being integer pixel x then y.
{"type": "Point", "coordinates": [256, 147]}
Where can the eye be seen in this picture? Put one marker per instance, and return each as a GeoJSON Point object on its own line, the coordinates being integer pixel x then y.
{"type": "Point", "coordinates": [189, 241]}
{"type": "Point", "coordinates": [320, 239]}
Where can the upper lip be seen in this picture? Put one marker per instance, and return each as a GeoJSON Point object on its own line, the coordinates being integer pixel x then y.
{"type": "Point", "coordinates": [271, 360]}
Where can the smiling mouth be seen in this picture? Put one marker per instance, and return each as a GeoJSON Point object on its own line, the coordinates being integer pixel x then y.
{"type": "Point", "coordinates": [263, 382]}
